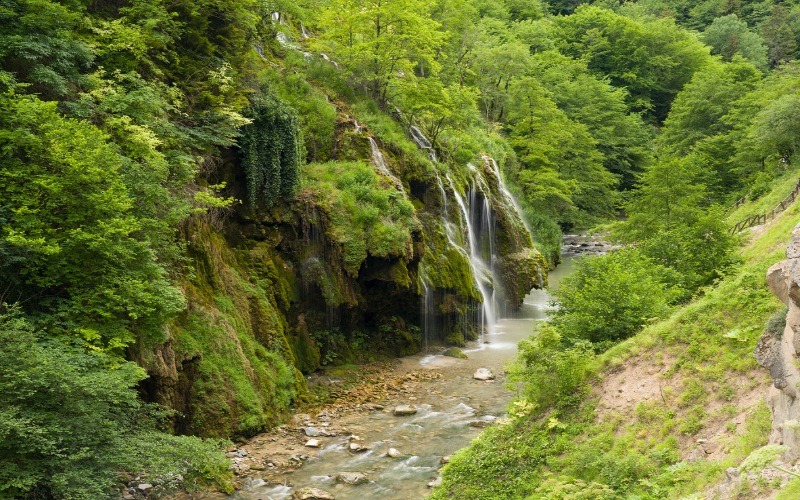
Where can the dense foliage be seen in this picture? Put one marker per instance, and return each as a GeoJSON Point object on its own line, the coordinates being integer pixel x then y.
{"type": "Point", "coordinates": [72, 419]}
{"type": "Point", "coordinates": [271, 151]}
{"type": "Point", "coordinates": [115, 115]}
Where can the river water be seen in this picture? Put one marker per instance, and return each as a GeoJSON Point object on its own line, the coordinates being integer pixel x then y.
{"type": "Point", "coordinates": [451, 410]}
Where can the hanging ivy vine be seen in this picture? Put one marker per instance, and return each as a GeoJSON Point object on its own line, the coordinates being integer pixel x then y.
{"type": "Point", "coordinates": [271, 150]}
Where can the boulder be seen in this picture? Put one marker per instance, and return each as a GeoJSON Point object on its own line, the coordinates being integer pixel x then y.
{"type": "Point", "coordinates": [353, 478]}
{"type": "Point", "coordinates": [403, 411]}
{"type": "Point", "coordinates": [455, 352]}
{"type": "Point", "coordinates": [483, 374]}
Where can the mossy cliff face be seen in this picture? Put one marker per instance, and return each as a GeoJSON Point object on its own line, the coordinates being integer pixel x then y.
{"type": "Point", "coordinates": [228, 367]}
{"type": "Point", "coordinates": [357, 264]}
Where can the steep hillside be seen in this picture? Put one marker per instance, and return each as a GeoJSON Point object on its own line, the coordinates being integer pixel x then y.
{"type": "Point", "coordinates": [668, 413]}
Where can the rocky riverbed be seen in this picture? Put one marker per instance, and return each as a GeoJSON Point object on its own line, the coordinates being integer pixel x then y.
{"type": "Point", "coordinates": [388, 428]}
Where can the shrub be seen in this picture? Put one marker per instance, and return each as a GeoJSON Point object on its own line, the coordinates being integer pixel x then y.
{"type": "Point", "coordinates": [608, 298]}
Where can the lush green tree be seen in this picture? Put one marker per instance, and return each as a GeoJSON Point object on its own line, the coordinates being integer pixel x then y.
{"type": "Point", "coordinates": [608, 298]}
{"type": "Point", "coordinates": [547, 140]}
{"type": "Point", "coordinates": [670, 220]}
{"type": "Point", "coordinates": [779, 32]}
{"type": "Point", "coordinates": [622, 137]}
{"type": "Point", "coordinates": [65, 203]}
{"type": "Point", "coordinates": [653, 59]}
{"type": "Point", "coordinates": [379, 41]}
{"type": "Point", "coordinates": [698, 110]}
{"type": "Point", "coordinates": [40, 44]}
{"type": "Point", "coordinates": [729, 36]}
{"type": "Point", "coordinates": [427, 102]}
{"type": "Point", "coordinates": [498, 60]}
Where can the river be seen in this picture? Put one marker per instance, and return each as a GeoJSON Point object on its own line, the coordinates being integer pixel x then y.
{"type": "Point", "coordinates": [452, 407]}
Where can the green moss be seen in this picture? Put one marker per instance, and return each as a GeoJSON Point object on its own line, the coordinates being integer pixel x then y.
{"type": "Point", "coordinates": [238, 364]}
{"type": "Point", "coordinates": [455, 352]}
{"type": "Point", "coordinates": [364, 216]}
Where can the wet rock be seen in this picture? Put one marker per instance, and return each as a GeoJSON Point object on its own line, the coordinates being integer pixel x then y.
{"type": "Point", "coordinates": [312, 494]}
{"type": "Point", "coordinates": [357, 448]}
{"type": "Point", "coordinates": [316, 432]}
{"type": "Point", "coordinates": [455, 352]}
{"type": "Point", "coordinates": [353, 478]}
{"type": "Point", "coordinates": [403, 411]}
{"type": "Point", "coordinates": [394, 453]}
{"type": "Point", "coordinates": [483, 374]}
{"type": "Point", "coordinates": [445, 460]}
{"type": "Point", "coordinates": [436, 482]}
{"type": "Point", "coordinates": [313, 443]}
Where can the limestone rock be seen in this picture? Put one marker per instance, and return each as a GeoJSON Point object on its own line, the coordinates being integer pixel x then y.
{"type": "Point", "coordinates": [354, 478]}
{"type": "Point", "coordinates": [357, 448]}
{"type": "Point", "coordinates": [776, 352]}
{"type": "Point", "coordinates": [404, 411]}
{"type": "Point", "coordinates": [483, 374]}
{"type": "Point", "coordinates": [144, 486]}
{"type": "Point", "coordinates": [312, 494]}
{"type": "Point", "coordinates": [313, 443]}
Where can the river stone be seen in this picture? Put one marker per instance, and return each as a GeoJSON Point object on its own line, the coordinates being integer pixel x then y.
{"type": "Point", "coordinates": [394, 453]}
{"type": "Point", "coordinates": [312, 494]}
{"type": "Point", "coordinates": [357, 448]}
{"type": "Point", "coordinates": [436, 482]}
{"type": "Point", "coordinates": [483, 374]}
{"type": "Point", "coordinates": [353, 478]}
{"type": "Point", "coordinates": [404, 411]}
{"type": "Point", "coordinates": [455, 352]}
{"type": "Point", "coordinates": [313, 443]}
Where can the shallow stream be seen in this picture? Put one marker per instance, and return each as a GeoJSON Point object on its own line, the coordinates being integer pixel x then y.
{"type": "Point", "coordinates": [451, 410]}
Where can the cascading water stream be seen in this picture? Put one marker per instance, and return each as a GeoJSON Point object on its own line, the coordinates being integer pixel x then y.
{"type": "Point", "coordinates": [509, 198]}
{"type": "Point", "coordinates": [380, 162]}
{"type": "Point", "coordinates": [480, 271]}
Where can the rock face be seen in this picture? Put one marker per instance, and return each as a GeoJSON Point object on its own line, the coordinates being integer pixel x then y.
{"type": "Point", "coordinates": [778, 350]}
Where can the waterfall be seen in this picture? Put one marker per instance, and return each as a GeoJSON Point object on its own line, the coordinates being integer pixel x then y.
{"type": "Point", "coordinates": [480, 271]}
{"type": "Point", "coordinates": [422, 142]}
{"type": "Point", "coordinates": [303, 31]}
{"type": "Point", "coordinates": [380, 162]}
{"type": "Point", "coordinates": [491, 163]}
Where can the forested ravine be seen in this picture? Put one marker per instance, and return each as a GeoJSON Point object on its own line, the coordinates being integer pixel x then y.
{"type": "Point", "coordinates": [397, 454]}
